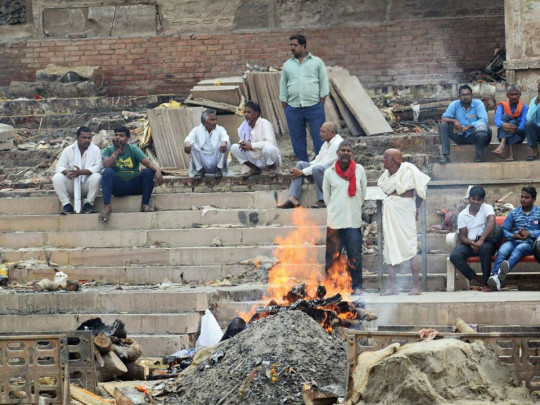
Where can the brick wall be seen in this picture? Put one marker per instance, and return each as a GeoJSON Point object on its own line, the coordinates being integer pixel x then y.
{"type": "Point", "coordinates": [397, 53]}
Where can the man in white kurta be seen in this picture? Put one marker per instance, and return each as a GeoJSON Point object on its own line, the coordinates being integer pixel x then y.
{"type": "Point", "coordinates": [257, 150]}
{"type": "Point", "coordinates": [207, 146]}
{"type": "Point", "coordinates": [401, 182]}
{"type": "Point", "coordinates": [78, 174]}
{"type": "Point", "coordinates": [314, 171]}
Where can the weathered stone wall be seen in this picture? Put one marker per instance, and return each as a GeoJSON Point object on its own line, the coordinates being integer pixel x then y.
{"type": "Point", "coordinates": [169, 45]}
{"type": "Point", "coordinates": [522, 42]}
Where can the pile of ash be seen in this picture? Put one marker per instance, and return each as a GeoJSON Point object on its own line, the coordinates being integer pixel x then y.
{"type": "Point", "coordinates": [268, 363]}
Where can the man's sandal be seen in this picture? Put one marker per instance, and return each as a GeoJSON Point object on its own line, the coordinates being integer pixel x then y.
{"type": "Point", "coordinates": [287, 204]}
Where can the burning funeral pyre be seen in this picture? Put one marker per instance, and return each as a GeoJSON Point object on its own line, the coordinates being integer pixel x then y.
{"type": "Point", "coordinates": [296, 283]}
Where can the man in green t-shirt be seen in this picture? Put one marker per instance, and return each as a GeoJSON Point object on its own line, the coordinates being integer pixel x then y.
{"type": "Point", "coordinates": [122, 174]}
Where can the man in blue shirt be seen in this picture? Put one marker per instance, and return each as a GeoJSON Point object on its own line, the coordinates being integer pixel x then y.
{"type": "Point", "coordinates": [532, 127]}
{"type": "Point", "coordinates": [302, 91]}
{"type": "Point", "coordinates": [466, 123]}
{"type": "Point", "coordinates": [510, 118]}
{"type": "Point", "coordinates": [521, 228]}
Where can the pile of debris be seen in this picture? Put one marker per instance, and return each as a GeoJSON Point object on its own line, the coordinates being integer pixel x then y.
{"type": "Point", "coordinates": [269, 362]}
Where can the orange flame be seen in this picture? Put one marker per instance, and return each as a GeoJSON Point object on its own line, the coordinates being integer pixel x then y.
{"type": "Point", "coordinates": [298, 262]}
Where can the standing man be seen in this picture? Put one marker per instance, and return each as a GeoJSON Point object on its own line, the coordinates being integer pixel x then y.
{"type": "Point", "coordinates": [207, 146]}
{"type": "Point", "coordinates": [257, 149]}
{"type": "Point", "coordinates": [521, 228]}
{"type": "Point", "coordinates": [78, 174]}
{"type": "Point", "coordinates": [122, 174]}
{"type": "Point", "coordinates": [344, 187]}
{"type": "Point", "coordinates": [314, 170]}
{"type": "Point", "coordinates": [302, 91]}
{"type": "Point", "coordinates": [475, 223]}
{"type": "Point", "coordinates": [405, 187]}
{"type": "Point", "coordinates": [510, 118]}
{"type": "Point", "coordinates": [532, 127]}
{"type": "Point", "coordinates": [466, 123]}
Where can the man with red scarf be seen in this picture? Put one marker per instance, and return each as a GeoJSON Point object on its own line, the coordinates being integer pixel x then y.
{"type": "Point", "coordinates": [510, 118]}
{"type": "Point", "coordinates": [344, 188]}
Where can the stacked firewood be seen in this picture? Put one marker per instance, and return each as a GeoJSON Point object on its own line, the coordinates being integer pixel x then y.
{"type": "Point", "coordinates": [115, 354]}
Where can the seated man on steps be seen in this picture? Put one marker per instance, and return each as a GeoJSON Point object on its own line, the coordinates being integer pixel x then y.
{"type": "Point", "coordinates": [122, 174]}
{"type": "Point", "coordinates": [314, 170]}
{"type": "Point", "coordinates": [207, 146]}
{"type": "Point", "coordinates": [78, 174]}
{"type": "Point", "coordinates": [257, 149]}
{"type": "Point", "coordinates": [510, 118]}
{"type": "Point", "coordinates": [532, 127]}
{"type": "Point", "coordinates": [521, 228]}
{"type": "Point", "coordinates": [466, 123]}
{"type": "Point", "coordinates": [475, 224]}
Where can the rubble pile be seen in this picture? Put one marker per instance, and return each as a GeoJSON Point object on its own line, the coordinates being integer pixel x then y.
{"type": "Point", "coordinates": [268, 363]}
{"type": "Point", "coordinates": [443, 371]}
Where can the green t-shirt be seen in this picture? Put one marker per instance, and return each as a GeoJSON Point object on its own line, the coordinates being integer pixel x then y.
{"type": "Point", "coordinates": [127, 165]}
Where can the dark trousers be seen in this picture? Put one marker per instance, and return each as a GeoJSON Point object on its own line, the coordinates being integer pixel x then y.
{"type": "Point", "coordinates": [479, 138]}
{"type": "Point", "coordinates": [351, 240]}
{"type": "Point", "coordinates": [511, 139]}
{"type": "Point", "coordinates": [533, 134]}
{"type": "Point", "coordinates": [297, 118]}
{"type": "Point", "coordinates": [462, 252]}
{"type": "Point", "coordinates": [112, 185]}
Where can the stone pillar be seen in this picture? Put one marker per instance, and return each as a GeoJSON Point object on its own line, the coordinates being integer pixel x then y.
{"type": "Point", "coordinates": [522, 23]}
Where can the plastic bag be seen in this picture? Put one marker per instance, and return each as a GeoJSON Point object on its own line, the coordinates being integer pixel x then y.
{"type": "Point", "coordinates": [210, 331]}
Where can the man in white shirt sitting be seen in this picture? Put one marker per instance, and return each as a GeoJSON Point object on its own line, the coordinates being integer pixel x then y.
{"type": "Point", "coordinates": [207, 146]}
{"type": "Point", "coordinates": [475, 223]}
{"type": "Point", "coordinates": [314, 170]}
{"type": "Point", "coordinates": [257, 150]}
{"type": "Point", "coordinates": [78, 174]}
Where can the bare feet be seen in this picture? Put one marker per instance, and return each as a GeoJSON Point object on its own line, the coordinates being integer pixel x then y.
{"type": "Point", "coordinates": [487, 289]}
{"type": "Point", "coordinates": [509, 159]}
{"type": "Point", "coordinates": [389, 291]}
{"type": "Point", "coordinates": [415, 291]}
{"type": "Point", "coordinates": [105, 214]}
{"type": "Point", "coordinates": [498, 151]}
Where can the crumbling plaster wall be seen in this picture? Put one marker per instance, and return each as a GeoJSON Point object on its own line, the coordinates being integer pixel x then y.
{"type": "Point", "coordinates": [523, 43]}
{"type": "Point", "coordinates": [159, 46]}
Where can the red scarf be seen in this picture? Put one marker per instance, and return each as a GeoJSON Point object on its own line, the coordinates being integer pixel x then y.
{"type": "Point", "coordinates": [349, 174]}
{"type": "Point", "coordinates": [507, 110]}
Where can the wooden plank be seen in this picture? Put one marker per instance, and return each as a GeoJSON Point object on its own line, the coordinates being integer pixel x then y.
{"type": "Point", "coordinates": [278, 107]}
{"type": "Point", "coordinates": [170, 127]}
{"type": "Point", "coordinates": [252, 87]}
{"type": "Point", "coordinates": [219, 94]}
{"type": "Point", "coordinates": [227, 81]}
{"type": "Point", "coordinates": [231, 122]}
{"type": "Point", "coordinates": [349, 119]}
{"type": "Point", "coordinates": [267, 90]}
{"type": "Point", "coordinates": [359, 102]}
{"type": "Point", "coordinates": [331, 112]}
{"type": "Point", "coordinates": [211, 104]}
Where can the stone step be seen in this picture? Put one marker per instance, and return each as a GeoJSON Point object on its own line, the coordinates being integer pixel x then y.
{"type": "Point", "coordinates": [107, 300]}
{"type": "Point", "coordinates": [431, 308]}
{"type": "Point", "coordinates": [178, 324]}
{"type": "Point", "coordinates": [521, 171]}
{"type": "Point", "coordinates": [226, 236]}
{"type": "Point", "coordinates": [182, 219]}
{"type": "Point", "coordinates": [466, 153]}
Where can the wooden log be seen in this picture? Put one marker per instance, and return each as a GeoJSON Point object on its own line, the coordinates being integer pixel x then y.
{"type": "Point", "coordinates": [128, 353]}
{"type": "Point", "coordinates": [103, 343]}
{"type": "Point", "coordinates": [112, 368]}
{"type": "Point", "coordinates": [218, 94]}
{"type": "Point", "coordinates": [463, 327]}
{"type": "Point", "coordinates": [135, 372]}
{"type": "Point", "coordinates": [86, 397]}
{"type": "Point", "coordinates": [315, 396]}
{"type": "Point", "coordinates": [99, 359]}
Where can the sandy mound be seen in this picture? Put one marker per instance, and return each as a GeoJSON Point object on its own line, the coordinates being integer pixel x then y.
{"type": "Point", "coordinates": [443, 371]}
{"type": "Point", "coordinates": [291, 348]}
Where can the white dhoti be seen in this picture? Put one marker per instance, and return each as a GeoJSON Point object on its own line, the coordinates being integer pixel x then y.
{"type": "Point", "coordinates": [200, 160]}
{"type": "Point", "coordinates": [399, 229]}
{"type": "Point", "coordinates": [269, 155]}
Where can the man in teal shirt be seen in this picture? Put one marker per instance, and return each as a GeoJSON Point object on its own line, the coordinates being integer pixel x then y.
{"type": "Point", "coordinates": [122, 174]}
{"type": "Point", "coordinates": [532, 127]}
{"type": "Point", "coordinates": [465, 121]}
{"type": "Point", "coordinates": [302, 91]}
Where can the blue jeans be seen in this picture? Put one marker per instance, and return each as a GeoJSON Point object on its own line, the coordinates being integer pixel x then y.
{"type": "Point", "coordinates": [112, 185]}
{"type": "Point", "coordinates": [296, 121]}
{"type": "Point", "coordinates": [351, 240]}
{"type": "Point", "coordinates": [515, 250]}
{"type": "Point", "coordinates": [511, 139]}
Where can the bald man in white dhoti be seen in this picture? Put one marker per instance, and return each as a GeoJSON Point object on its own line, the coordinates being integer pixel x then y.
{"type": "Point", "coordinates": [405, 187]}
